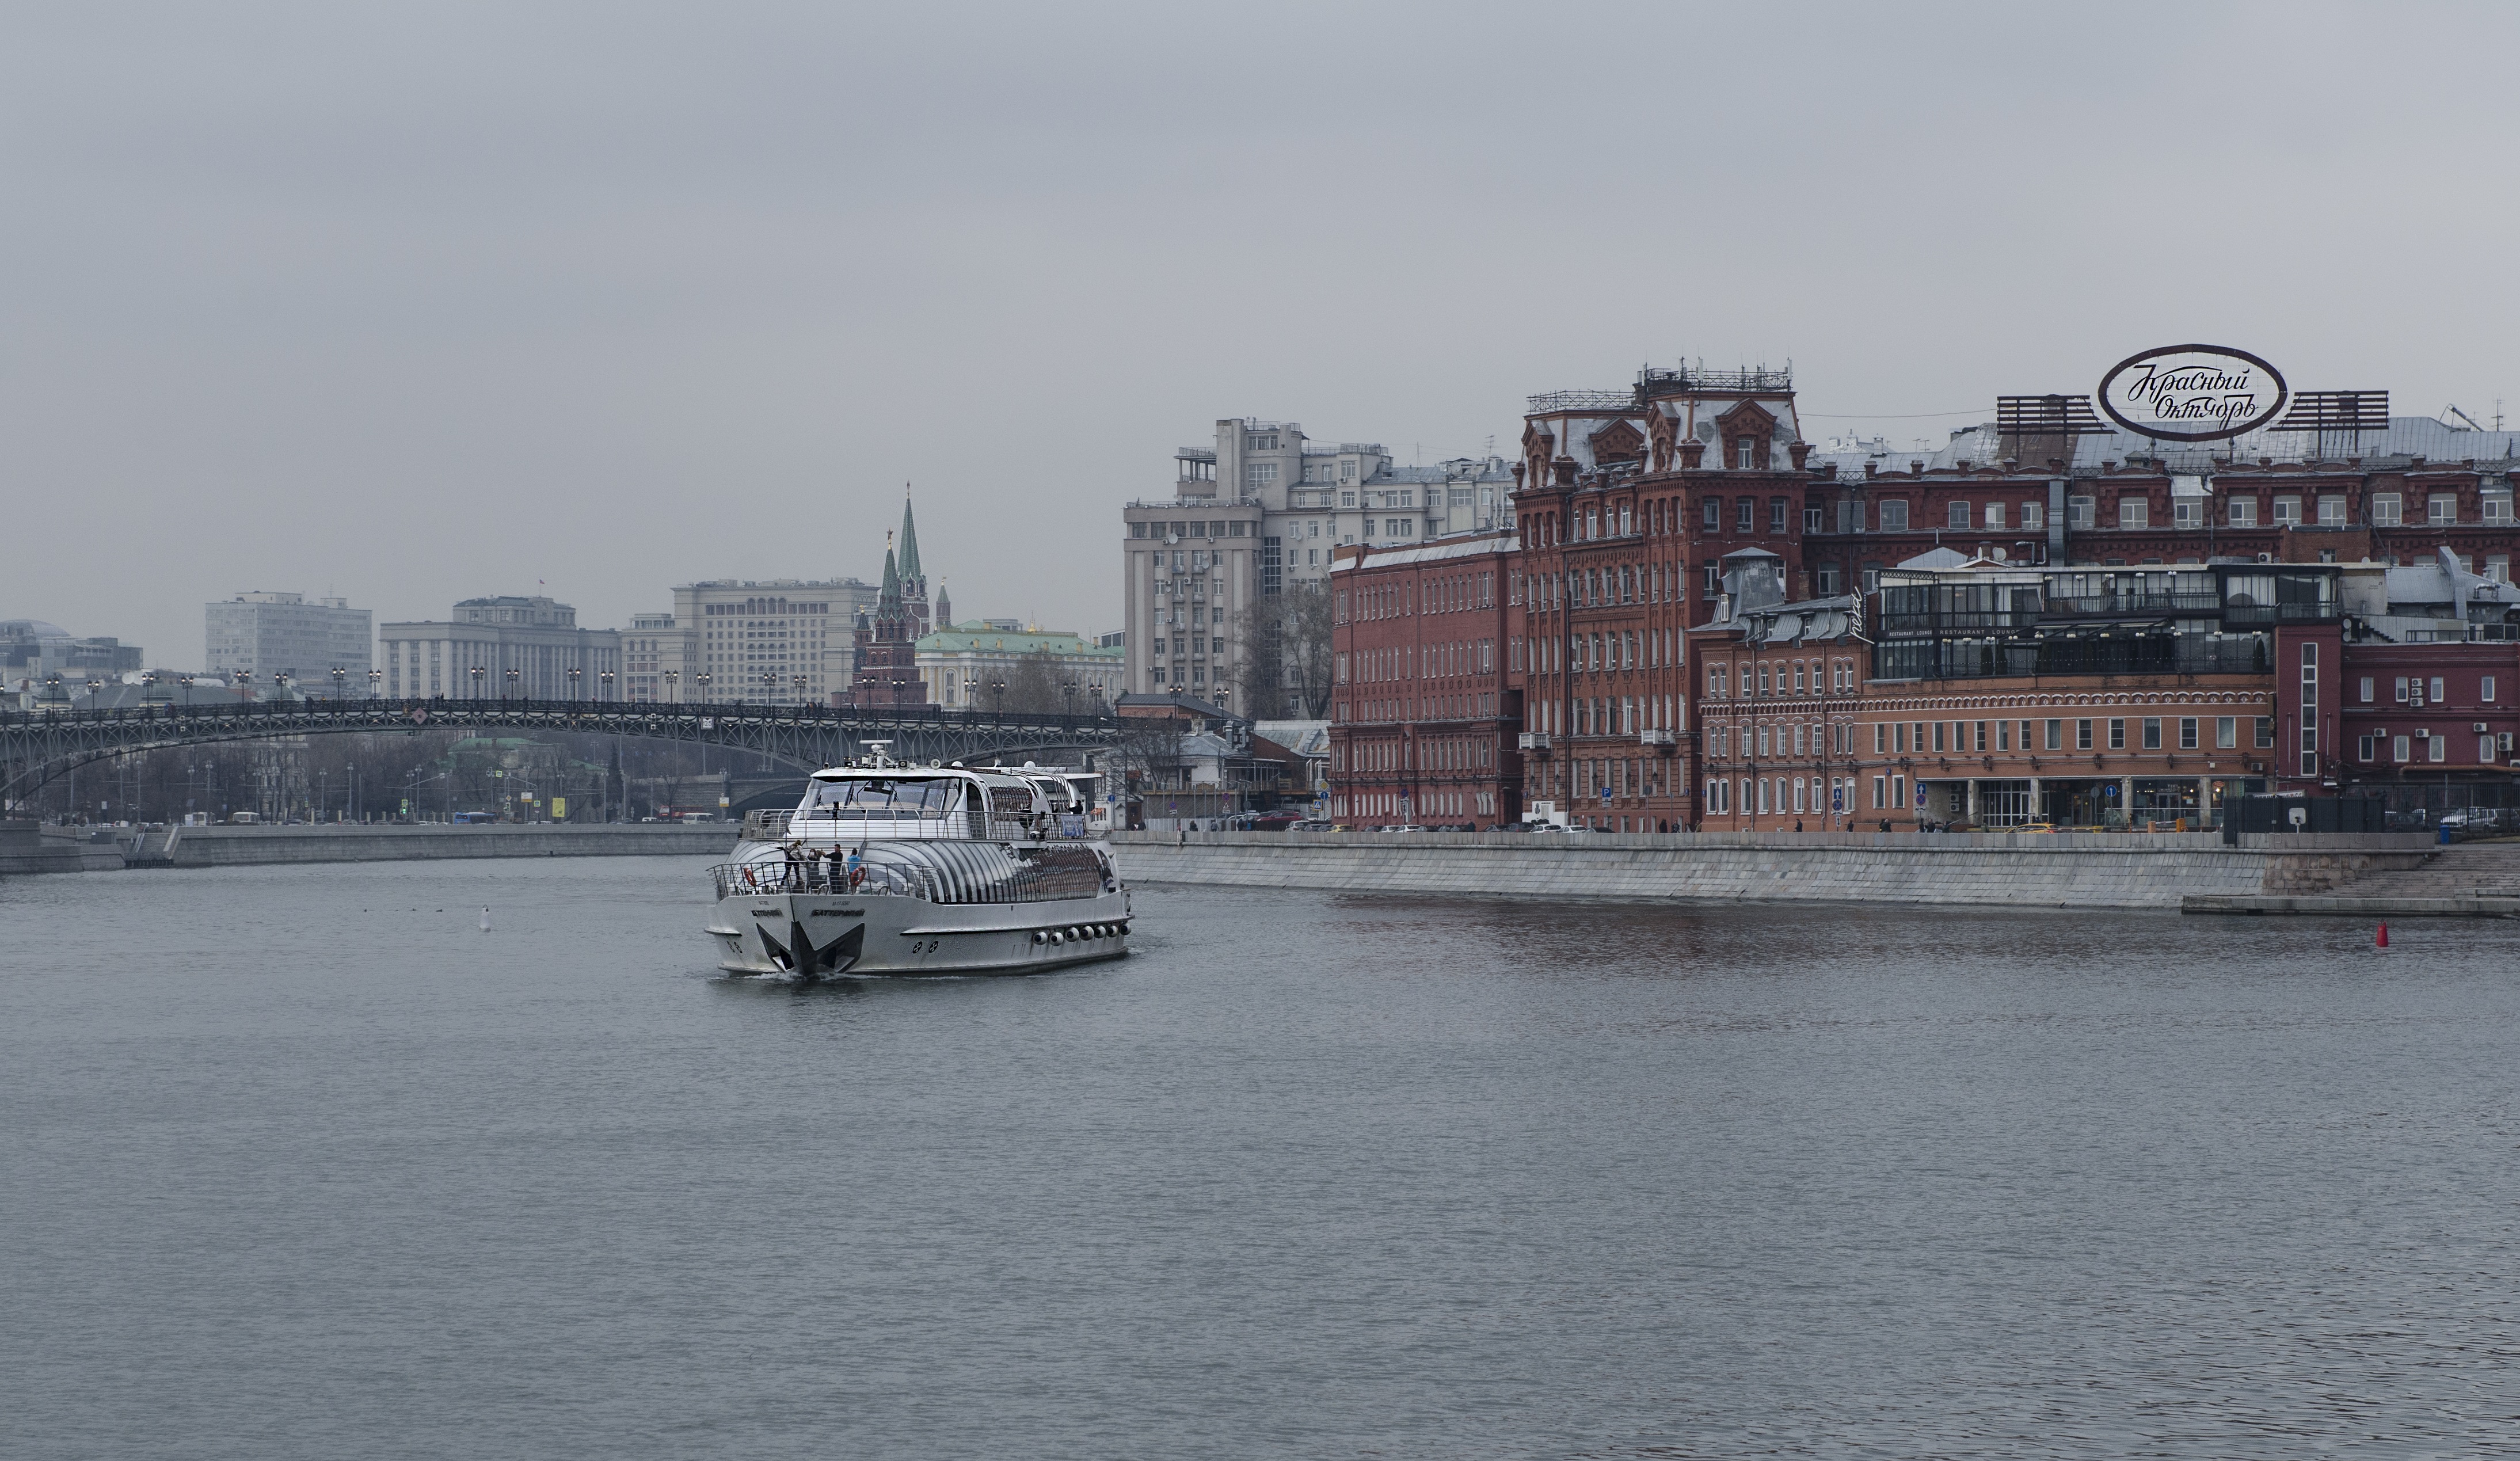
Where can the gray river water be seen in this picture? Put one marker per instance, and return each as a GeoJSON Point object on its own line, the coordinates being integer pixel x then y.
{"type": "Point", "coordinates": [299, 1163]}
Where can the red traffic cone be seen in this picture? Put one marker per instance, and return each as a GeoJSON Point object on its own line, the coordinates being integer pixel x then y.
{"type": "Point", "coordinates": [2384, 936]}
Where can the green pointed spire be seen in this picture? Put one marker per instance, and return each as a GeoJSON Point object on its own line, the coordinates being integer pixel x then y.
{"type": "Point", "coordinates": [890, 598]}
{"type": "Point", "coordinates": [909, 539]}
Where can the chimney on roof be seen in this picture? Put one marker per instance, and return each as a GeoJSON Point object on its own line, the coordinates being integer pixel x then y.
{"type": "Point", "coordinates": [1916, 469]}
{"type": "Point", "coordinates": [1564, 468]}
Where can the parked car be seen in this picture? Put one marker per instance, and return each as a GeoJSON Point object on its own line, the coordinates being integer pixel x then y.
{"type": "Point", "coordinates": [1270, 821]}
{"type": "Point", "coordinates": [1313, 824]}
{"type": "Point", "coordinates": [2470, 819]}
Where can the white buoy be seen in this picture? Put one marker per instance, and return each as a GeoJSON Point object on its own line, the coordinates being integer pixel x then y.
{"type": "Point", "coordinates": [485, 918]}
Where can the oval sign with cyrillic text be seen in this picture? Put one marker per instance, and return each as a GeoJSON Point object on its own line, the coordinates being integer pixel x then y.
{"type": "Point", "coordinates": [2192, 393]}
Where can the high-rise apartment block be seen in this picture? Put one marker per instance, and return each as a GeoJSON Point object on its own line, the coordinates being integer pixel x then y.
{"type": "Point", "coordinates": [268, 634]}
{"type": "Point", "coordinates": [1258, 515]}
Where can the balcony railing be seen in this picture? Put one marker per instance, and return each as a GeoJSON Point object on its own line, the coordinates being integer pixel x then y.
{"type": "Point", "coordinates": [2207, 602]}
{"type": "Point", "coordinates": [2279, 613]}
{"type": "Point", "coordinates": [2148, 654]}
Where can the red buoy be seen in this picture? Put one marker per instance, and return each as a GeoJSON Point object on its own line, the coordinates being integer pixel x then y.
{"type": "Point", "coordinates": [2384, 936]}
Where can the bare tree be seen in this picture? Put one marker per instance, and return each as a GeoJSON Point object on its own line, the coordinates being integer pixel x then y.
{"type": "Point", "coordinates": [1285, 670]}
{"type": "Point", "coordinates": [1032, 684]}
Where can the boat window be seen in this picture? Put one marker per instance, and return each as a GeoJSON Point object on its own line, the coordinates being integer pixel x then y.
{"type": "Point", "coordinates": [846, 800]}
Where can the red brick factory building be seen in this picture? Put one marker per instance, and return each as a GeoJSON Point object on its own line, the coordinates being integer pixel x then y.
{"type": "Point", "coordinates": [1423, 718]}
{"type": "Point", "coordinates": [2059, 581]}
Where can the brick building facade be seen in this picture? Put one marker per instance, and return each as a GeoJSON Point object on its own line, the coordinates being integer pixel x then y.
{"type": "Point", "coordinates": [1422, 713]}
{"type": "Point", "coordinates": [2190, 626]}
{"type": "Point", "coordinates": [1624, 514]}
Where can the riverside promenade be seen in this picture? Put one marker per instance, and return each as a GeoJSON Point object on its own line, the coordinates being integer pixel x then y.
{"type": "Point", "coordinates": [27, 847]}
{"type": "Point", "coordinates": [2159, 871]}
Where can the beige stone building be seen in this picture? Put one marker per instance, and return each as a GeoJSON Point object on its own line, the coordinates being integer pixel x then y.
{"type": "Point", "coordinates": [965, 666]}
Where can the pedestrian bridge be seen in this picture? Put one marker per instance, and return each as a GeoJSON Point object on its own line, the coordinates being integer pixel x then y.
{"type": "Point", "coordinates": [36, 745]}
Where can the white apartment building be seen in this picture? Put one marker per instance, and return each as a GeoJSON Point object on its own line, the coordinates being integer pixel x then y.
{"type": "Point", "coordinates": [642, 657]}
{"type": "Point", "coordinates": [1257, 515]}
{"type": "Point", "coordinates": [784, 641]}
{"type": "Point", "coordinates": [507, 647]}
{"type": "Point", "coordinates": [267, 634]}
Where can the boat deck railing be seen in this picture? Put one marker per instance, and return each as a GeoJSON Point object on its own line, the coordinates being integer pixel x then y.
{"type": "Point", "coordinates": [768, 826]}
{"type": "Point", "coordinates": [1022, 884]}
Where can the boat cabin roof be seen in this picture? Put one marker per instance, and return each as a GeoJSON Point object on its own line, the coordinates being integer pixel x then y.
{"type": "Point", "coordinates": [913, 773]}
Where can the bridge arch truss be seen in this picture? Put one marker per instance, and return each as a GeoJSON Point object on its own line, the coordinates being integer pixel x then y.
{"type": "Point", "coordinates": [36, 745]}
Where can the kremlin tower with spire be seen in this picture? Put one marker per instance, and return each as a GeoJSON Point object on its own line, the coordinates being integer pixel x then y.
{"type": "Point", "coordinates": [914, 578]}
{"type": "Point", "coordinates": [888, 642]}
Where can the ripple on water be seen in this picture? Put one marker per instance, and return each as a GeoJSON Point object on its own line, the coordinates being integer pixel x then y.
{"type": "Point", "coordinates": [301, 1163]}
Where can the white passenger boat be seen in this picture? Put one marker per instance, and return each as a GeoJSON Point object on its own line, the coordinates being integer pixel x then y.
{"type": "Point", "coordinates": [907, 870]}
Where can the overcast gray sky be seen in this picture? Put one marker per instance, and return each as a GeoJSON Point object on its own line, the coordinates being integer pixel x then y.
{"type": "Point", "coordinates": [415, 302]}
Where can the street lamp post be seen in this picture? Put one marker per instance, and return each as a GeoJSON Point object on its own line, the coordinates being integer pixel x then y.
{"type": "Point", "coordinates": [999, 687]}
{"type": "Point", "coordinates": [375, 684]}
{"type": "Point", "coordinates": [340, 677]}
{"type": "Point", "coordinates": [604, 688]}
{"type": "Point", "coordinates": [478, 673]}
{"type": "Point", "coordinates": [514, 675]}
{"type": "Point", "coordinates": [703, 678]}
{"type": "Point", "coordinates": [572, 683]}
{"type": "Point", "coordinates": [674, 686]}
{"type": "Point", "coordinates": [94, 689]}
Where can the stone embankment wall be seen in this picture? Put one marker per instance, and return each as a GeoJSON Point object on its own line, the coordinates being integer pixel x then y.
{"type": "Point", "coordinates": [25, 848]}
{"type": "Point", "coordinates": [2069, 870]}
{"type": "Point", "coordinates": [32, 848]}
{"type": "Point", "coordinates": [224, 846]}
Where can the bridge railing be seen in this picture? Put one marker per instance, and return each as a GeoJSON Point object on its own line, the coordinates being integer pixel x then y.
{"type": "Point", "coordinates": [422, 709]}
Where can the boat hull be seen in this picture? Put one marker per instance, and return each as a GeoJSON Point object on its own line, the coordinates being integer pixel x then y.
{"type": "Point", "coordinates": [810, 936]}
